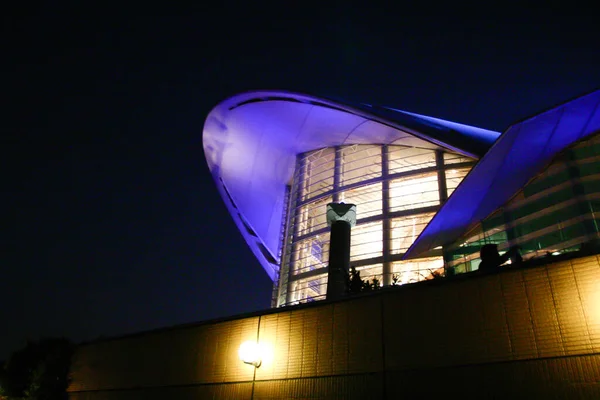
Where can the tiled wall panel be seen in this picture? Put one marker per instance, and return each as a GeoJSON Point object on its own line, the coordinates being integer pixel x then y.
{"type": "Point", "coordinates": [524, 332]}
{"type": "Point", "coordinates": [551, 378]}
{"type": "Point", "coordinates": [232, 391]}
{"type": "Point", "coordinates": [190, 355]}
{"type": "Point", "coordinates": [348, 387]}
{"type": "Point", "coordinates": [544, 318]}
{"type": "Point", "coordinates": [587, 278]}
{"type": "Point", "coordinates": [518, 316]}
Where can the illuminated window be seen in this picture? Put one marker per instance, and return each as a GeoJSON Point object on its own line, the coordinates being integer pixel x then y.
{"type": "Point", "coordinates": [368, 197]}
{"type": "Point", "coordinates": [412, 271]}
{"type": "Point", "coordinates": [403, 159]}
{"type": "Point", "coordinates": [453, 158]}
{"type": "Point", "coordinates": [318, 173]}
{"type": "Point", "coordinates": [406, 229]}
{"type": "Point", "coordinates": [454, 177]}
{"type": "Point", "coordinates": [366, 241]}
{"type": "Point", "coordinates": [360, 163]}
{"type": "Point", "coordinates": [311, 216]}
{"type": "Point", "coordinates": [414, 192]}
{"type": "Point", "coordinates": [413, 185]}
{"type": "Point", "coordinates": [311, 254]}
{"type": "Point", "coordinates": [309, 289]}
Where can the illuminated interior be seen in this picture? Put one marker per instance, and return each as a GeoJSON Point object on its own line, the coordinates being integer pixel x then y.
{"type": "Point", "coordinates": [397, 190]}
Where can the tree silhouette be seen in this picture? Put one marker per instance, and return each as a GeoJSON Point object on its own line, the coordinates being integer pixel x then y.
{"type": "Point", "coordinates": [357, 285]}
{"type": "Point", "coordinates": [39, 371]}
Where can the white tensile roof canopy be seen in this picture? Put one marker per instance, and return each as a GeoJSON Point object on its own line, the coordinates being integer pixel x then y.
{"type": "Point", "coordinates": [251, 141]}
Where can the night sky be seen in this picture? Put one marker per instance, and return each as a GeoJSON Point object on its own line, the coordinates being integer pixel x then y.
{"type": "Point", "coordinates": [111, 222]}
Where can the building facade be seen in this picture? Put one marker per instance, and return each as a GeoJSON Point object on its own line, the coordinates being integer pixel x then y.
{"type": "Point", "coordinates": [397, 190]}
{"type": "Point", "coordinates": [278, 158]}
{"type": "Point", "coordinates": [429, 192]}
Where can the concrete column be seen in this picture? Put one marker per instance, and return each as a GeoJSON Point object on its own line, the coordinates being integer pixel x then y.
{"type": "Point", "coordinates": [339, 260]}
{"type": "Point", "coordinates": [340, 218]}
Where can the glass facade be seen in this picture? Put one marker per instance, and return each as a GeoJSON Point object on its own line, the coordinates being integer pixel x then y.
{"type": "Point", "coordinates": [557, 211]}
{"type": "Point", "coordinates": [397, 190]}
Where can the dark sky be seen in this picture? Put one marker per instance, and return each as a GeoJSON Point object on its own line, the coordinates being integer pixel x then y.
{"type": "Point", "coordinates": [111, 222]}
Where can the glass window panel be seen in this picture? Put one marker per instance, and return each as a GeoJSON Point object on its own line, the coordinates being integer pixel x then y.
{"type": "Point", "coordinates": [494, 220]}
{"type": "Point", "coordinates": [546, 181]}
{"type": "Point", "coordinates": [411, 271]}
{"type": "Point", "coordinates": [414, 192]}
{"type": "Point", "coordinates": [454, 177]}
{"type": "Point", "coordinates": [309, 289]}
{"type": "Point", "coordinates": [453, 158]}
{"type": "Point", "coordinates": [463, 251]}
{"type": "Point", "coordinates": [298, 182]}
{"type": "Point", "coordinates": [312, 216]}
{"type": "Point", "coordinates": [573, 231]}
{"type": "Point", "coordinates": [543, 202]}
{"type": "Point", "coordinates": [310, 254]}
{"type": "Point", "coordinates": [546, 220]}
{"type": "Point", "coordinates": [360, 163]}
{"type": "Point", "coordinates": [497, 238]}
{"type": "Point", "coordinates": [474, 264]}
{"type": "Point", "coordinates": [461, 268]}
{"type": "Point", "coordinates": [366, 241]}
{"type": "Point", "coordinates": [367, 199]}
{"type": "Point", "coordinates": [402, 159]}
{"type": "Point", "coordinates": [406, 229]}
{"type": "Point", "coordinates": [318, 177]}
{"type": "Point", "coordinates": [589, 168]}
{"type": "Point", "coordinates": [586, 149]}
{"type": "Point", "coordinates": [468, 266]}
{"type": "Point", "coordinates": [530, 246]}
{"type": "Point", "coordinates": [594, 206]}
{"type": "Point", "coordinates": [551, 239]}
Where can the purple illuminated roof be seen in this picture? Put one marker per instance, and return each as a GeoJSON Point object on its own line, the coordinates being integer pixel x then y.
{"type": "Point", "coordinates": [251, 141]}
{"type": "Point", "coordinates": [518, 155]}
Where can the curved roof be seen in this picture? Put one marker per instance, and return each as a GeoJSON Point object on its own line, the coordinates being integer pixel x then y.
{"type": "Point", "coordinates": [251, 141]}
{"type": "Point", "coordinates": [518, 155]}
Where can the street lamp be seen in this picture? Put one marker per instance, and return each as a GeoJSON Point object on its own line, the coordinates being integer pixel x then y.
{"type": "Point", "coordinates": [250, 353]}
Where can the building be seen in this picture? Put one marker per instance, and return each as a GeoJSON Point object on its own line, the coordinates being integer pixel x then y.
{"type": "Point", "coordinates": [278, 158]}
{"type": "Point", "coordinates": [526, 331]}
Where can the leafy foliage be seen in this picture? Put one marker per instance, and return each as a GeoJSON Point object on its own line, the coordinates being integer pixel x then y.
{"type": "Point", "coordinates": [37, 372]}
{"type": "Point", "coordinates": [357, 285]}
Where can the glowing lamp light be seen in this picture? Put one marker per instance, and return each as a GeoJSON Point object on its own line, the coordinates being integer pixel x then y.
{"type": "Point", "coordinates": [250, 353]}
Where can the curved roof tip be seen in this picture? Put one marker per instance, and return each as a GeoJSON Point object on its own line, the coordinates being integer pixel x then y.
{"type": "Point", "coordinates": [466, 139]}
{"type": "Point", "coordinates": [473, 140]}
